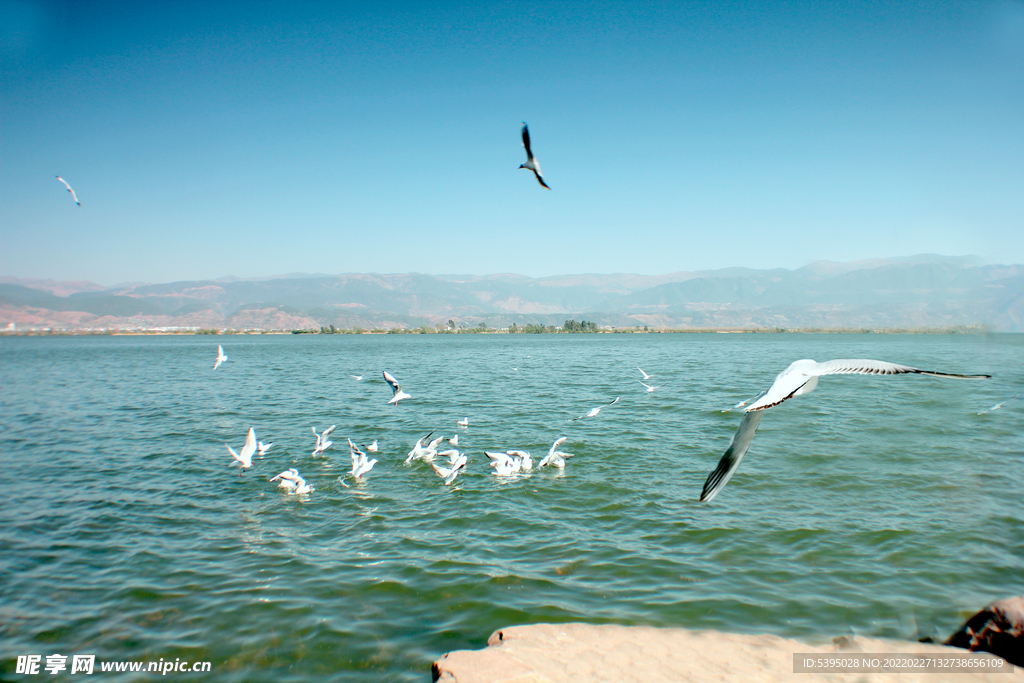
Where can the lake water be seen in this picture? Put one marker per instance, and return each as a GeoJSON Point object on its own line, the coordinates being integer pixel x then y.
{"type": "Point", "coordinates": [882, 506]}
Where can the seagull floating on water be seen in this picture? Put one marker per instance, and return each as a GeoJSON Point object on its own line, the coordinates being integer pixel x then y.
{"type": "Point", "coordinates": [322, 443]}
{"type": "Point", "coordinates": [245, 457]}
{"type": "Point", "coordinates": [372, 448]}
{"type": "Point", "coordinates": [262, 448]}
{"type": "Point", "coordinates": [504, 464]}
{"type": "Point", "coordinates": [292, 482]}
{"type": "Point", "coordinates": [531, 162]}
{"type": "Point", "coordinates": [73, 195]}
{"type": "Point", "coordinates": [525, 459]}
{"type": "Point", "coordinates": [396, 388]}
{"type": "Point", "coordinates": [220, 357]}
{"type": "Point", "coordinates": [801, 377]}
{"type": "Point", "coordinates": [454, 440]}
{"type": "Point", "coordinates": [555, 457]}
{"type": "Point", "coordinates": [449, 473]}
{"type": "Point", "coordinates": [463, 422]}
{"type": "Point", "coordinates": [594, 411]}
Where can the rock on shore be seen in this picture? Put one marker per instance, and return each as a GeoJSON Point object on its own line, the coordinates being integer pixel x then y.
{"type": "Point", "coordinates": [556, 653]}
{"type": "Point", "coordinates": [999, 629]}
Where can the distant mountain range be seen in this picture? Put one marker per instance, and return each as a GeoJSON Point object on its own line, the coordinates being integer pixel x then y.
{"type": "Point", "coordinates": [926, 291]}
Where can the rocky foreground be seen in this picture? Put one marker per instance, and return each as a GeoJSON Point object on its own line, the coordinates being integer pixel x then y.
{"type": "Point", "coordinates": [556, 653]}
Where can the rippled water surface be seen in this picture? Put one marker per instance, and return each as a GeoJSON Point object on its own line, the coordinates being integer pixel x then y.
{"type": "Point", "coordinates": [881, 506]}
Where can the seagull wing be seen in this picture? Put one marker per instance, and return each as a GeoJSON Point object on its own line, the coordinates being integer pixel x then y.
{"type": "Point", "coordinates": [73, 195]}
{"type": "Point", "coordinates": [864, 366]}
{"type": "Point", "coordinates": [556, 444]}
{"type": "Point", "coordinates": [802, 376]}
{"type": "Point", "coordinates": [395, 386]}
{"type": "Point", "coordinates": [526, 142]}
{"type": "Point", "coordinates": [540, 178]}
{"type": "Point", "coordinates": [498, 459]}
{"type": "Point", "coordinates": [250, 444]}
{"type": "Point", "coordinates": [731, 460]}
{"type": "Point", "coordinates": [646, 376]}
{"type": "Point", "coordinates": [328, 430]}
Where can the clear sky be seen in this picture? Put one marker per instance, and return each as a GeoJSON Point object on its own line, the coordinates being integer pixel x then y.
{"type": "Point", "coordinates": [259, 138]}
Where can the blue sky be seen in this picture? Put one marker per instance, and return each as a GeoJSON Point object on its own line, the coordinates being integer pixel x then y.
{"type": "Point", "coordinates": [258, 138]}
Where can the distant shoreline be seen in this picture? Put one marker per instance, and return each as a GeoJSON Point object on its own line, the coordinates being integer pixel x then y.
{"type": "Point", "coordinates": [44, 332]}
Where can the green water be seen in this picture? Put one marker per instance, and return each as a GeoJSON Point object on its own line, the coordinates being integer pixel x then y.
{"type": "Point", "coordinates": [876, 506]}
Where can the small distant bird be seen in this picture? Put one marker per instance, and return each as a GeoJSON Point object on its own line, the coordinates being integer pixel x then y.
{"type": "Point", "coordinates": [464, 422]}
{"type": "Point", "coordinates": [531, 162]}
{"type": "Point", "coordinates": [220, 357]}
{"type": "Point", "coordinates": [395, 388]}
{"type": "Point", "coordinates": [357, 378]}
{"type": "Point", "coordinates": [73, 195]}
{"type": "Point", "coordinates": [649, 387]}
{"type": "Point", "coordinates": [594, 411]}
{"type": "Point", "coordinates": [245, 457]}
{"type": "Point", "coordinates": [262, 448]}
{"type": "Point", "coordinates": [454, 440]}
{"type": "Point", "coordinates": [555, 457]}
{"type": "Point", "coordinates": [372, 448]}
{"type": "Point", "coordinates": [999, 405]}
{"type": "Point", "coordinates": [292, 482]}
{"type": "Point", "coordinates": [646, 376]}
{"type": "Point", "coordinates": [360, 464]}
{"type": "Point", "coordinates": [801, 377]}
{"type": "Point", "coordinates": [322, 443]}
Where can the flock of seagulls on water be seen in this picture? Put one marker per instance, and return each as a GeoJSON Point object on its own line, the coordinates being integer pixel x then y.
{"type": "Point", "coordinates": [800, 378]}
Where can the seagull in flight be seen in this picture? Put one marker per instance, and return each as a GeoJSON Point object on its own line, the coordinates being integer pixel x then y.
{"type": "Point", "coordinates": [396, 388]}
{"type": "Point", "coordinates": [322, 442]}
{"type": "Point", "coordinates": [649, 387]}
{"type": "Point", "coordinates": [262, 448]}
{"type": "Point", "coordinates": [358, 378]}
{"type": "Point", "coordinates": [360, 464]}
{"type": "Point", "coordinates": [999, 405]}
{"type": "Point", "coordinates": [555, 457]}
{"type": "Point", "coordinates": [245, 457]}
{"type": "Point", "coordinates": [220, 357]}
{"type": "Point", "coordinates": [531, 162]}
{"type": "Point", "coordinates": [646, 376]}
{"type": "Point", "coordinates": [594, 411]}
{"type": "Point", "coordinates": [801, 377]}
{"type": "Point", "coordinates": [419, 452]}
{"type": "Point", "coordinates": [73, 195]}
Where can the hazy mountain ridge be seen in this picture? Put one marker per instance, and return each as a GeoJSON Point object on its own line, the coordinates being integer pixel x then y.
{"type": "Point", "coordinates": [918, 292]}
